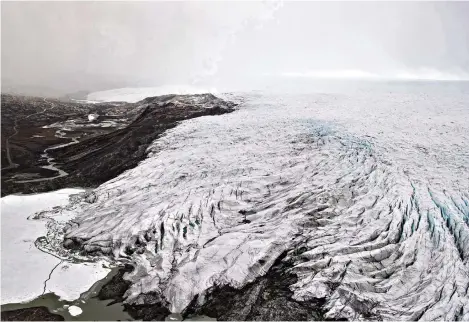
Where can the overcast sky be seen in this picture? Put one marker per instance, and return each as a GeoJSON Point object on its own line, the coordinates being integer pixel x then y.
{"type": "Point", "coordinates": [94, 45]}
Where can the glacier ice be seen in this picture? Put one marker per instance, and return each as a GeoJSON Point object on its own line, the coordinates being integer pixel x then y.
{"type": "Point", "coordinates": [369, 193]}
{"type": "Point", "coordinates": [75, 310]}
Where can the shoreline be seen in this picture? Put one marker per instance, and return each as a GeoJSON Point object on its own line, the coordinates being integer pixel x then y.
{"type": "Point", "coordinates": [34, 282]}
{"type": "Point", "coordinates": [92, 307]}
{"type": "Point", "coordinates": [30, 275]}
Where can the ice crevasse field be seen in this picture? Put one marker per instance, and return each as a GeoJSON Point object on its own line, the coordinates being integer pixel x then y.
{"type": "Point", "coordinates": [365, 187]}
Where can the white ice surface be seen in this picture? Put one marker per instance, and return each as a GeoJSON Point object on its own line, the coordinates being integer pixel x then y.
{"type": "Point", "coordinates": [70, 280]}
{"type": "Point", "coordinates": [133, 95]}
{"type": "Point", "coordinates": [24, 267]}
{"type": "Point", "coordinates": [74, 310]}
{"type": "Point", "coordinates": [371, 185]}
{"type": "Point", "coordinates": [415, 75]}
{"type": "Point", "coordinates": [92, 117]}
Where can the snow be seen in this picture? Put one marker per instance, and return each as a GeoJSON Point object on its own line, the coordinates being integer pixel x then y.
{"type": "Point", "coordinates": [70, 280]}
{"type": "Point", "coordinates": [334, 74]}
{"type": "Point", "coordinates": [133, 95]}
{"type": "Point", "coordinates": [92, 117]}
{"type": "Point", "coordinates": [24, 267]}
{"type": "Point", "coordinates": [411, 75]}
{"type": "Point", "coordinates": [431, 74]}
{"type": "Point", "coordinates": [75, 310]}
{"type": "Point", "coordinates": [370, 185]}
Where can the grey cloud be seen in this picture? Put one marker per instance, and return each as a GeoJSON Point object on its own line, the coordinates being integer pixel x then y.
{"type": "Point", "coordinates": [95, 45]}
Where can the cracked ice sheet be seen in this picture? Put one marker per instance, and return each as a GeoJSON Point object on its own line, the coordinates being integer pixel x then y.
{"type": "Point", "coordinates": [24, 267]}
{"type": "Point", "coordinates": [371, 189]}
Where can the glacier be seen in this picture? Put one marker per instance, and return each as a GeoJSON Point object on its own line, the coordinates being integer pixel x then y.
{"type": "Point", "coordinates": [366, 191]}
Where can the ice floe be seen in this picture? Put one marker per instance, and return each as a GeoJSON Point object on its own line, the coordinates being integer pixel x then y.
{"type": "Point", "coordinates": [28, 272]}
{"type": "Point", "coordinates": [74, 310]}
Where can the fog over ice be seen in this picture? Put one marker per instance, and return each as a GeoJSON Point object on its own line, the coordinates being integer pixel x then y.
{"type": "Point", "coordinates": [62, 47]}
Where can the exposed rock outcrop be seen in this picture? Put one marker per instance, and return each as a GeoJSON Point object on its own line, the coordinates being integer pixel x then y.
{"type": "Point", "coordinates": [40, 313]}
{"type": "Point", "coordinates": [103, 152]}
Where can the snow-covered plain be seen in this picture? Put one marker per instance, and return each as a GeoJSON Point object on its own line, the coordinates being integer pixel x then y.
{"type": "Point", "coordinates": [28, 272]}
{"type": "Point", "coordinates": [368, 189]}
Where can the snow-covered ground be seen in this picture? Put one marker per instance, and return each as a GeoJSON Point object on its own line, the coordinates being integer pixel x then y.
{"type": "Point", "coordinates": [28, 272]}
{"type": "Point", "coordinates": [368, 188]}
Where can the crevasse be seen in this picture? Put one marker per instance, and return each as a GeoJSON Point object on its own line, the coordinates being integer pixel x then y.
{"type": "Point", "coordinates": [368, 192]}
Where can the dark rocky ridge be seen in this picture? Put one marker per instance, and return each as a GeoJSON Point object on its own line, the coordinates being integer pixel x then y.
{"type": "Point", "coordinates": [151, 309]}
{"type": "Point", "coordinates": [24, 137]}
{"type": "Point", "coordinates": [40, 313]}
{"type": "Point", "coordinates": [125, 148]}
{"type": "Point", "coordinates": [102, 153]}
{"type": "Point", "coordinates": [268, 298]}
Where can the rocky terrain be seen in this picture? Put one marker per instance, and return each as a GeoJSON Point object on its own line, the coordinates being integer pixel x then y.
{"type": "Point", "coordinates": [39, 313]}
{"type": "Point", "coordinates": [49, 144]}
